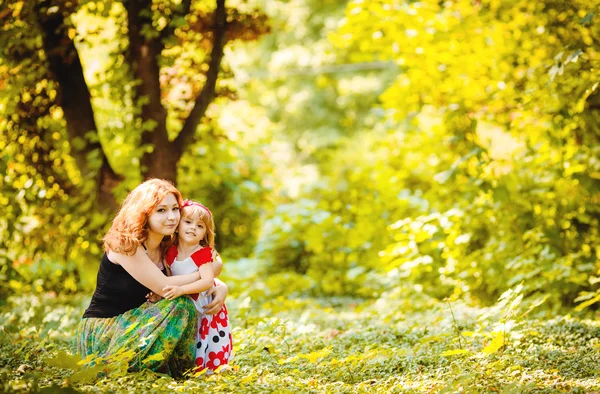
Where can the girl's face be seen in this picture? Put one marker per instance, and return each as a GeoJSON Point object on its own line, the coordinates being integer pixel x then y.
{"type": "Point", "coordinates": [165, 216]}
{"type": "Point", "coordinates": [191, 231]}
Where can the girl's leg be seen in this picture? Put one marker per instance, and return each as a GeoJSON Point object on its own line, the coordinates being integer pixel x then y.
{"type": "Point", "coordinates": [218, 342]}
{"type": "Point", "coordinates": [201, 342]}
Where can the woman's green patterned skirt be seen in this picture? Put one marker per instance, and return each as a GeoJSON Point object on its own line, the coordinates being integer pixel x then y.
{"type": "Point", "coordinates": [159, 336]}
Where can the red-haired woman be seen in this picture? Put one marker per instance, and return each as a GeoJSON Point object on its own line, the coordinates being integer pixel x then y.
{"type": "Point", "coordinates": [119, 324]}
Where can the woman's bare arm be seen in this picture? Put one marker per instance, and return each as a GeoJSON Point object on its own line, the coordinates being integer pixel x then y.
{"type": "Point", "coordinates": [217, 265]}
{"type": "Point", "coordinates": [219, 293]}
{"type": "Point", "coordinates": [142, 269]}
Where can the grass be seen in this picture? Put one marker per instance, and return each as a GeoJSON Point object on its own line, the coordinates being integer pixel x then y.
{"type": "Point", "coordinates": [287, 343]}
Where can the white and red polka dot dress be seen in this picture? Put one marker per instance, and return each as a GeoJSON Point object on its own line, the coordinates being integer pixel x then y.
{"type": "Point", "coordinates": [213, 338]}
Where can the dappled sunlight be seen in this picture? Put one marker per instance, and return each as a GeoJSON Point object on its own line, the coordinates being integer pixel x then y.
{"type": "Point", "coordinates": [319, 345]}
{"type": "Point", "coordinates": [405, 194]}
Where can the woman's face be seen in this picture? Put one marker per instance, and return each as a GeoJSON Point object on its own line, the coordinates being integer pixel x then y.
{"type": "Point", "coordinates": [164, 218]}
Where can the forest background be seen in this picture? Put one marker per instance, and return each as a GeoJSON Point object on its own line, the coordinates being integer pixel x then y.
{"type": "Point", "coordinates": [406, 193]}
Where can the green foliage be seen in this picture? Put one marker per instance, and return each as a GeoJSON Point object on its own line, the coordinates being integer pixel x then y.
{"type": "Point", "coordinates": [50, 210]}
{"type": "Point", "coordinates": [233, 182]}
{"type": "Point", "coordinates": [527, 224]}
{"type": "Point", "coordinates": [457, 161]}
{"type": "Point", "coordinates": [497, 216]}
{"type": "Point", "coordinates": [334, 232]}
{"type": "Point", "coordinates": [294, 74]}
{"type": "Point", "coordinates": [483, 157]}
{"type": "Point", "coordinates": [403, 342]}
{"type": "Point", "coordinates": [41, 215]}
{"type": "Point", "coordinates": [464, 162]}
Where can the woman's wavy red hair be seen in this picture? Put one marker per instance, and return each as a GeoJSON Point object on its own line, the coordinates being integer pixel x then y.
{"type": "Point", "coordinates": [130, 227]}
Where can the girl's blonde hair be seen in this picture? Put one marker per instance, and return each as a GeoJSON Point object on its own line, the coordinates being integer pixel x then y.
{"type": "Point", "coordinates": [196, 211]}
{"type": "Point", "coordinates": [130, 227]}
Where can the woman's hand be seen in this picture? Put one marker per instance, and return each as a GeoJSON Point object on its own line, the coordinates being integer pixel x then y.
{"type": "Point", "coordinates": [219, 293]}
{"type": "Point", "coordinates": [217, 264]}
{"type": "Point", "coordinates": [172, 292]}
{"type": "Point", "coordinates": [153, 297]}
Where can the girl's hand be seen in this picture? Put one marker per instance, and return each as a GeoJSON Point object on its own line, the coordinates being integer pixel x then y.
{"type": "Point", "coordinates": [219, 293]}
{"type": "Point", "coordinates": [172, 292]}
{"type": "Point", "coordinates": [153, 297]}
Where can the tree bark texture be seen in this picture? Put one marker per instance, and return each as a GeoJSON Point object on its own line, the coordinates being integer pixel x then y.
{"type": "Point", "coordinates": [144, 50]}
{"type": "Point", "coordinates": [145, 47]}
{"type": "Point", "coordinates": [74, 98]}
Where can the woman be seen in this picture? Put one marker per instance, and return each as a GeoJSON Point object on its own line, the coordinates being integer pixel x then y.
{"type": "Point", "coordinates": [119, 324]}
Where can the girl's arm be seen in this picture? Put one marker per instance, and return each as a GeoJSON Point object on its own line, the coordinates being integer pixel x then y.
{"type": "Point", "coordinates": [142, 269]}
{"type": "Point", "coordinates": [205, 283]}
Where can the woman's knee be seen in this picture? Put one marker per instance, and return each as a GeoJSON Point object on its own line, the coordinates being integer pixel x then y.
{"type": "Point", "coordinates": [181, 306]}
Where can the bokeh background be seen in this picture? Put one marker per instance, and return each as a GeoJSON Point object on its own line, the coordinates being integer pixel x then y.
{"type": "Point", "coordinates": [406, 193]}
{"type": "Point", "coordinates": [346, 147]}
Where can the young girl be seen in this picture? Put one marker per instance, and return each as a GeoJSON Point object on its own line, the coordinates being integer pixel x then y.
{"type": "Point", "coordinates": [193, 252]}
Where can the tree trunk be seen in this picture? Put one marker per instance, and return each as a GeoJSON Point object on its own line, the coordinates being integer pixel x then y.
{"type": "Point", "coordinates": [162, 163]}
{"type": "Point", "coordinates": [143, 54]}
{"type": "Point", "coordinates": [74, 98]}
{"type": "Point", "coordinates": [162, 157]}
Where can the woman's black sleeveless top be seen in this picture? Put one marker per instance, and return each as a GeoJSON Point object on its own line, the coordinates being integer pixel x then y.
{"type": "Point", "coordinates": [116, 291]}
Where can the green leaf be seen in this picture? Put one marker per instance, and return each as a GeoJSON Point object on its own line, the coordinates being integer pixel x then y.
{"type": "Point", "coordinates": [178, 21]}
{"type": "Point", "coordinates": [314, 356]}
{"type": "Point", "coordinates": [573, 57]}
{"type": "Point", "coordinates": [587, 303]}
{"type": "Point", "coordinates": [495, 345]}
{"type": "Point", "coordinates": [78, 143]}
{"type": "Point", "coordinates": [444, 176]}
{"type": "Point", "coordinates": [86, 374]}
{"type": "Point", "coordinates": [455, 352]}
{"type": "Point", "coordinates": [587, 19]}
{"type": "Point", "coordinates": [65, 360]}
{"type": "Point", "coordinates": [501, 194]}
{"type": "Point", "coordinates": [154, 357]}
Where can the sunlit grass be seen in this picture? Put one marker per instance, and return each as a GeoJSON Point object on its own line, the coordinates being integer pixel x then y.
{"type": "Point", "coordinates": [292, 343]}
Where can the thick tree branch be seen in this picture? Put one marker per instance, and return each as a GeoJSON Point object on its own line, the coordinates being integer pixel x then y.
{"type": "Point", "coordinates": [145, 47]}
{"type": "Point", "coordinates": [74, 99]}
{"type": "Point", "coordinates": [187, 135]}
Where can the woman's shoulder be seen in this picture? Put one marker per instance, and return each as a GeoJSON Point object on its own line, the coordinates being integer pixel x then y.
{"type": "Point", "coordinates": [116, 258]}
